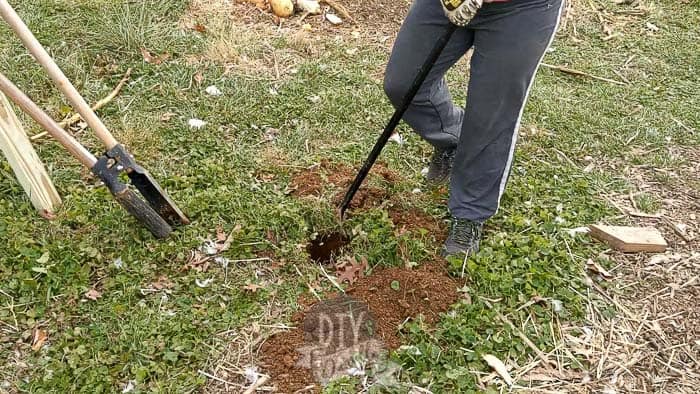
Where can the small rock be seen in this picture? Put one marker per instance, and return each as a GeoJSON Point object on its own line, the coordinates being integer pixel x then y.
{"type": "Point", "coordinates": [333, 19]}
{"type": "Point", "coordinates": [130, 386]}
{"type": "Point", "coordinates": [396, 137]}
{"type": "Point", "coordinates": [196, 123]}
{"type": "Point", "coordinates": [203, 283]}
{"type": "Point", "coordinates": [213, 91]}
{"type": "Point", "coordinates": [251, 375]}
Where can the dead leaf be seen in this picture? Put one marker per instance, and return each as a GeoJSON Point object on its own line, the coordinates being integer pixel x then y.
{"type": "Point", "coordinates": [252, 287]}
{"type": "Point", "coordinates": [220, 234]}
{"type": "Point", "coordinates": [93, 294]}
{"type": "Point", "coordinates": [197, 261]}
{"type": "Point", "coordinates": [167, 116]}
{"type": "Point", "coordinates": [598, 269]}
{"type": "Point", "coordinates": [147, 56]}
{"type": "Point", "coordinates": [664, 259]}
{"type": "Point", "coordinates": [499, 367]}
{"type": "Point", "coordinates": [150, 58]}
{"type": "Point", "coordinates": [346, 276]}
{"type": "Point", "coordinates": [350, 269]}
{"type": "Point", "coordinates": [192, 25]}
{"type": "Point", "coordinates": [162, 283]}
{"type": "Point", "coordinates": [198, 78]}
{"type": "Point", "coordinates": [39, 337]}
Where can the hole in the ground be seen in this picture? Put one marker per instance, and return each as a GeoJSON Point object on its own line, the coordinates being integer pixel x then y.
{"type": "Point", "coordinates": [325, 247]}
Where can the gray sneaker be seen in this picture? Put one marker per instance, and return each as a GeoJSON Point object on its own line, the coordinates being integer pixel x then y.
{"type": "Point", "coordinates": [464, 237]}
{"type": "Point", "coordinates": [440, 165]}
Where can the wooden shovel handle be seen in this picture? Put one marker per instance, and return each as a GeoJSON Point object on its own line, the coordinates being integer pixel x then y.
{"type": "Point", "coordinates": [63, 84]}
{"type": "Point", "coordinates": [50, 125]}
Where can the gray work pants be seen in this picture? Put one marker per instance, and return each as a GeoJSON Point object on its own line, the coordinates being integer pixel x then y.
{"type": "Point", "coordinates": [509, 41]}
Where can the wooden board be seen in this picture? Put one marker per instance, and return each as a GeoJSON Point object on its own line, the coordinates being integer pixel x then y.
{"type": "Point", "coordinates": [25, 163]}
{"type": "Point", "coordinates": [630, 239]}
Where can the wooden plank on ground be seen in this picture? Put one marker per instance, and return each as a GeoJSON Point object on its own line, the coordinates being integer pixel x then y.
{"type": "Point", "coordinates": [630, 239]}
{"type": "Point", "coordinates": [25, 163]}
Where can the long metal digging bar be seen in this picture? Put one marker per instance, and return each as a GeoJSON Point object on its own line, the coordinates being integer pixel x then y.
{"type": "Point", "coordinates": [104, 169]}
{"type": "Point", "coordinates": [140, 178]}
{"type": "Point", "coordinates": [396, 118]}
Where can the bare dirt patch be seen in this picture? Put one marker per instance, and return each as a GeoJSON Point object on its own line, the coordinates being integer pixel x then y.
{"type": "Point", "coordinates": [415, 221]}
{"type": "Point", "coordinates": [392, 296]}
{"type": "Point", "coordinates": [336, 178]}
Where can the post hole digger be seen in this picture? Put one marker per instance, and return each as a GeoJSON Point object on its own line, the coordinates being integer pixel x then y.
{"type": "Point", "coordinates": [396, 118]}
{"type": "Point", "coordinates": [158, 212]}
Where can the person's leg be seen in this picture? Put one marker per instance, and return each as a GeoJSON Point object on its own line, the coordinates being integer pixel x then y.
{"type": "Point", "coordinates": [510, 40]}
{"type": "Point", "coordinates": [431, 114]}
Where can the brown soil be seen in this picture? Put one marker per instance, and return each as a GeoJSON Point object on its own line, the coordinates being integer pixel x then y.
{"type": "Point", "coordinates": [313, 181]}
{"type": "Point", "coordinates": [372, 193]}
{"type": "Point", "coordinates": [279, 358]}
{"type": "Point", "coordinates": [427, 291]}
{"type": "Point", "coordinates": [321, 319]}
{"type": "Point", "coordinates": [413, 221]}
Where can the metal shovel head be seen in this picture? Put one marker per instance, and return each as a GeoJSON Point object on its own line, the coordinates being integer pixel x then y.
{"type": "Point", "coordinates": [156, 196]}
{"type": "Point", "coordinates": [129, 200]}
{"type": "Point", "coordinates": [144, 213]}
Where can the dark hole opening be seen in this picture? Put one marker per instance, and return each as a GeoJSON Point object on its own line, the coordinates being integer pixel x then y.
{"type": "Point", "coordinates": [326, 247]}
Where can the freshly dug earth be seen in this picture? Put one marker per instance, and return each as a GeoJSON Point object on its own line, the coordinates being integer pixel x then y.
{"type": "Point", "coordinates": [314, 181]}
{"type": "Point", "coordinates": [414, 221]}
{"type": "Point", "coordinates": [427, 291]}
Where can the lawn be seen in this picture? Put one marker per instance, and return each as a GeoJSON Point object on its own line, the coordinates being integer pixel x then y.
{"type": "Point", "coordinates": [121, 309]}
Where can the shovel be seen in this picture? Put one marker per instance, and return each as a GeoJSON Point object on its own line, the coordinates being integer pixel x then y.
{"type": "Point", "coordinates": [158, 211]}
{"type": "Point", "coordinates": [396, 118]}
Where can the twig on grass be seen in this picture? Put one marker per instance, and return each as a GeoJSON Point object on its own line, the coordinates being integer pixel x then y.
{"type": "Point", "coordinates": [331, 279]}
{"type": "Point", "coordinates": [582, 74]}
{"type": "Point", "coordinates": [676, 229]}
{"type": "Point", "coordinates": [308, 284]}
{"type": "Point", "coordinates": [527, 341]}
{"type": "Point", "coordinates": [218, 379]}
{"type": "Point", "coordinates": [261, 380]}
{"type": "Point", "coordinates": [340, 9]}
{"type": "Point", "coordinates": [76, 117]}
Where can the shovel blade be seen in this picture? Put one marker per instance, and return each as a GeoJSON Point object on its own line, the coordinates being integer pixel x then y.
{"type": "Point", "coordinates": [143, 213]}
{"type": "Point", "coordinates": [157, 198]}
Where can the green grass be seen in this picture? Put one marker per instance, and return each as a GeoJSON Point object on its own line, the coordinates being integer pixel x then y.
{"type": "Point", "coordinates": [160, 339]}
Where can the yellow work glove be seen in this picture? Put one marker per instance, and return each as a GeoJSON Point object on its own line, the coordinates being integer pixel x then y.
{"type": "Point", "coordinates": [461, 12]}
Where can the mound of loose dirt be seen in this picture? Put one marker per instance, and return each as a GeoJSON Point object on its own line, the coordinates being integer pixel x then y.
{"type": "Point", "coordinates": [314, 181]}
{"type": "Point", "coordinates": [415, 221]}
{"type": "Point", "coordinates": [427, 291]}
{"type": "Point", "coordinates": [376, 307]}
